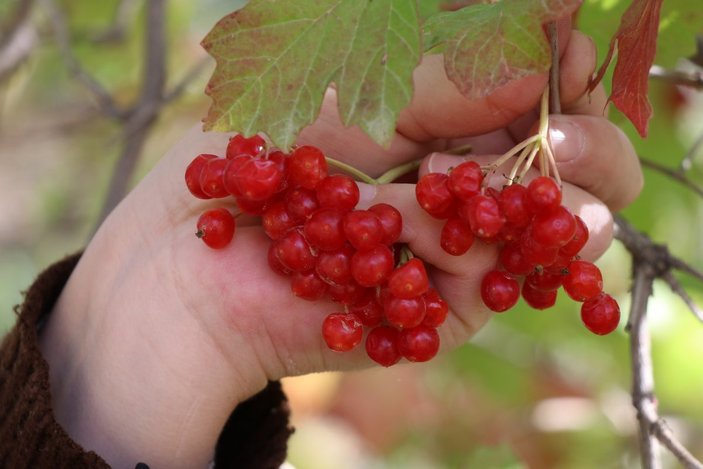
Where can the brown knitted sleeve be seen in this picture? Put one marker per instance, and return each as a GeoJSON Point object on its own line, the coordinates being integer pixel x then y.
{"type": "Point", "coordinates": [255, 436]}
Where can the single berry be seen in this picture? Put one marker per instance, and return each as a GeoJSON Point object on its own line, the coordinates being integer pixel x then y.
{"type": "Point", "coordinates": [276, 221]}
{"type": "Point", "coordinates": [391, 220]}
{"type": "Point", "coordinates": [436, 309]}
{"type": "Point", "coordinates": [583, 281]}
{"type": "Point", "coordinates": [347, 294]}
{"type": "Point", "coordinates": [544, 280]}
{"type": "Point", "coordinates": [275, 264]}
{"type": "Point", "coordinates": [535, 253]}
{"type": "Point", "coordinates": [578, 241]}
{"type": "Point", "coordinates": [334, 267]}
{"type": "Point", "coordinates": [538, 299]}
{"type": "Point", "coordinates": [456, 237]}
{"type": "Point", "coordinates": [241, 145]}
{"type": "Point", "coordinates": [231, 174]}
{"type": "Point", "coordinates": [419, 344]}
{"type": "Point", "coordinates": [258, 180]}
{"type": "Point", "coordinates": [294, 252]}
{"type": "Point", "coordinates": [465, 180]}
{"type": "Point", "coordinates": [554, 228]}
{"type": "Point", "coordinates": [212, 178]}
{"type": "Point", "coordinates": [324, 229]}
{"type": "Point", "coordinates": [307, 167]}
{"type": "Point", "coordinates": [363, 229]}
{"type": "Point", "coordinates": [404, 313]}
{"type": "Point", "coordinates": [601, 314]}
{"type": "Point", "coordinates": [216, 228]}
{"type": "Point", "coordinates": [300, 204]}
{"type": "Point", "coordinates": [513, 204]}
{"type": "Point", "coordinates": [513, 261]}
{"type": "Point", "coordinates": [193, 173]}
{"type": "Point", "coordinates": [337, 191]}
{"type": "Point", "coordinates": [307, 285]}
{"type": "Point", "coordinates": [368, 310]}
{"type": "Point", "coordinates": [432, 193]}
{"type": "Point", "coordinates": [543, 194]}
{"type": "Point", "coordinates": [381, 345]}
{"type": "Point", "coordinates": [372, 268]}
{"type": "Point", "coordinates": [483, 214]}
{"type": "Point", "coordinates": [409, 280]}
{"type": "Point", "coordinates": [342, 331]}
{"type": "Point", "coordinates": [499, 291]}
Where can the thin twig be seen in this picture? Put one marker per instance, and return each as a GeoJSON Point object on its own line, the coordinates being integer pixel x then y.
{"type": "Point", "coordinates": [61, 34]}
{"type": "Point", "coordinates": [674, 174]}
{"type": "Point", "coordinates": [687, 160]}
{"type": "Point", "coordinates": [554, 97]}
{"type": "Point", "coordinates": [677, 288]}
{"type": "Point", "coordinates": [124, 14]}
{"type": "Point", "coordinates": [694, 79]}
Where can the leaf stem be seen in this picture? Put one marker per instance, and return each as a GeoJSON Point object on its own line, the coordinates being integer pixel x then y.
{"type": "Point", "coordinates": [394, 173]}
{"type": "Point", "coordinates": [358, 174]}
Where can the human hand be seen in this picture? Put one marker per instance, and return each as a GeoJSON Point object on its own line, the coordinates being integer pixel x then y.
{"type": "Point", "coordinates": [177, 334]}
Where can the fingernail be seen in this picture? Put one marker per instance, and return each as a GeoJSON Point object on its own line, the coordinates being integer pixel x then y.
{"type": "Point", "coordinates": [442, 162]}
{"type": "Point", "coordinates": [367, 193]}
{"type": "Point", "coordinates": [566, 138]}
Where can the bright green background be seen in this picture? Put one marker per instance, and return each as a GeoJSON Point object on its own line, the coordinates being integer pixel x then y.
{"type": "Point", "coordinates": [533, 386]}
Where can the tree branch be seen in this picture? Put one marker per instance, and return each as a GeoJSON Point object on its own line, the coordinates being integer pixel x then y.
{"type": "Point", "coordinates": [673, 174]}
{"type": "Point", "coordinates": [694, 79]}
{"type": "Point", "coordinates": [676, 287]}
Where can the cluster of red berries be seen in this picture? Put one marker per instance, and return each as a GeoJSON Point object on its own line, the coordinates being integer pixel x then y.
{"type": "Point", "coordinates": [325, 245]}
{"type": "Point", "coordinates": [539, 241]}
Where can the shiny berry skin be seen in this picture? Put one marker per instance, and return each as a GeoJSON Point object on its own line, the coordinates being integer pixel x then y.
{"type": "Point", "coordinates": [583, 281]}
{"type": "Point", "coordinates": [300, 204]}
{"type": "Point", "coordinates": [543, 280]}
{"type": "Point", "coordinates": [307, 285]}
{"type": "Point", "coordinates": [275, 264]}
{"type": "Point", "coordinates": [368, 310]}
{"type": "Point", "coordinates": [258, 180]}
{"type": "Point", "coordinates": [251, 207]}
{"type": "Point", "coordinates": [231, 174]}
{"type": "Point", "coordinates": [465, 180]}
{"type": "Point", "coordinates": [276, 221]}
{"type": "Point", "coordinates": [294, 252]}
{"type": "Point", "coordinates": [342, 331]}
{"type": "Point", "coordinates": [483, 214]}
{"type": "Point", "coordinates": [337, 191]}
{"type": "Point", "coordinates": [334, 267]}
{"type": "Point", "coordinates": [381, 345]}
{"type": "Point", "coordinates": [456, 237]}
{"type": "Point", "coordinates": [324, 229]}
{"type": "Point", "coordinates": [241, 145]}
{"type": "Point", "coordinates": [578, 241]}
{"type": "Point", "coordinates": [404, 313]}
{"type": "Point", "coordinates": [216, 228]}
{"type": "Point", "coordinates": [371, 268]}
{"type": "Point", "coordinates": [391, 220]}
{"type": "Point", "coordinates": [554, 228]}
{"type": "Point", "coordinates": [499, 291]}
{"type": "Point", "coordinates": [418, 344]}
{"type": "Point", "coordinates": [193, 172]}
{"type": "Point", "coordinates": [409, 280]}
{"type": "Point", "coordinates": [513, 204]}
{"type": "Point", "coordinates": [513, 261]}
{"type": "Point", "coordinates": [306, 167]}
{"type": "Point", "coordinates": [212, 178]}
{"type": "Point", "coordinates": [363, 229]}
{"type": "Point", "coordinates": [347, 294]}
{"type": "Point", "coordinates": [601, 314]}
{"type": "Point", "coordinates": [538, 299]}
{"type": "Point", "coordinates": [543, 194]}
{"type": "Point", "coordinates": [432, 193]}
{"type": "Point", "coordinates": [536, 254]}
{"type": "Point", "coordinates": [436, 309]}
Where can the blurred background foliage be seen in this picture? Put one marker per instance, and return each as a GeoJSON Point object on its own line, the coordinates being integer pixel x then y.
{"type": "Point", "coordinates": [533, 389]}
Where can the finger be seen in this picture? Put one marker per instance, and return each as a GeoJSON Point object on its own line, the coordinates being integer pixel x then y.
{"type": "Point", "coordinates": [595, 155]}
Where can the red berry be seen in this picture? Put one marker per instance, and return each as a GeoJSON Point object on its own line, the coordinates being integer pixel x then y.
{"type": "Point", "coordinates": [342, 331]}
{"type": "Point", "coordinates": [456, 237]}
{"type": "Point", "coordinates": [409, 280]}
{"type": "Point", "coordinates": [381, 345]}
{"type": "Point", "coordinates": [419, 344]}
{"type": "Point", "coordinates": [499, 291]}
{"type": "Point", "coordinates": [433, 195]}
{"type": "Point", "coordinates": [251, 207]}
{"type": "Point", "coordinates": [258, 180]}
{"type": "Point", "coordinates": [513, 204]}
{"type": "Point", "coordinates": [391, 220]}
{"type": "Point", "coordinates": [300, 204]}
{"type": "Point", "coordinates": [241, 145]}
{"type": "Point", "coordinates": [275, 264]}
{"type": "Point", "coordinates": [368, 310]}
{"type": "Point", "coordinates": [216, 228]}
{"type": "Point", "coordinates": [465, 180]}
{"type": "Point", "coordinates": [436, 309]}
{"type": "Point", "coordinates": [307, 167]}
{"type": "Point", "coordinates": [578, 241]}
{"type": "Point", "coordinates": [513, 261]}
{"type": "Point", "coordinates": [483, 215]}
{"type": "Point", "coordinates": [334, 267]}
{"type": "Point", "coordinates": [193, 172]}
{"type": "Point", "coordinates": [324, 229]}
{"type": "Point", "coordinates": [583, 281]}
{"type": "Point", "coordinates": [601, 314]}
{"type": "Point", "coordinates": [294, 252]}
{"type": "Point", "coordinates": [212, 178]}
{"type": "Point", "coordinates": [543, 280]}
{"type": "Point", "coordinates": [404, 313]}
{"type": "Point", "coordinates": [231, 172]}
{"type": "Point", "coordinates": [307, 285]}
{"type": "Point", "coordinates": [347, 294]}
{"type": "Point", "coordinates": [543, 194]}
{"type": "Point", "coordinates": [363, 229]}
{"type": "Point", "coordinates": [371, 268]}
{"type": "Point", "coordinates": [538, 299]}
{"type": "Point", "coordinates": [337, 191]}
{"type": "Point", "coordinates": [536, 254]}
{"type": "Point", "coordinates": [276, 220]}
{"type": "Point", "coordinates": [554, 228]}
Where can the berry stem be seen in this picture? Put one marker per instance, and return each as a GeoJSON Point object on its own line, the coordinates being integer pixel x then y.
{"type": "Point", "coordinates": [358, 174]}
{"type": "Point", "coordinates": [509, 154]}
{"type": "Point", "coordinates": [394, 173]}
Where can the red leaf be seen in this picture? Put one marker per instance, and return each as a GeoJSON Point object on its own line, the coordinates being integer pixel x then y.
{"type": "Point", "coordinates": [636, 40]}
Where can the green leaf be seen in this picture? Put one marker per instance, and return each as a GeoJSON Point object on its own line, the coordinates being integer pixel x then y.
{"type": "Point", "coordinates": [489, 45]}
{"type": "Point", "coordinates": [276, 58]}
